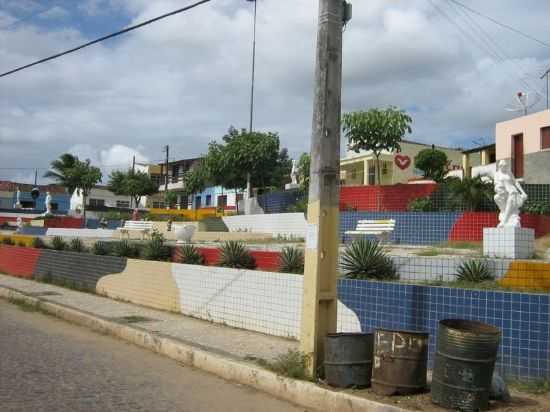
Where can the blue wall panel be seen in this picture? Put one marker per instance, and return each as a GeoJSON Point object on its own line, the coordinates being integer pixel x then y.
{"type": "Point", "coordinates": [522, 318]}
{"type": "Point", "coordinates": [279, 202]}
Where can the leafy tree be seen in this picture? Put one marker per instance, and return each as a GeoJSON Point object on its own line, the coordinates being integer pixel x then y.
{"type": "Point", "coordinates": [471, 192]}
{"type": "Point", "coordinates": [376, 130]}
{"type": "Point", "coordinates": [60, 172]}
{"type": "Point", "coordinates": [195, 179]}
{"type": "Point", "coordinates": [433, 163]}
{"type": "Point", "coordinates": [170, 198]}
{"type": "Point", "coordinates": [132, 183]}
{"type": "Point", "coordinates": [281, 174]}
{"type": "Point", "coordinates": [304, 164]}
{"type": "Point", "coordinates": [75, 175]}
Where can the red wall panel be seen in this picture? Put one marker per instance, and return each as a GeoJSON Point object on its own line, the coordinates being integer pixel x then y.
{"type": "Point", "coordinates": [265, 260]}
{"type": "Point", "coordinates": [395, 198]}
{"type": "Point", "coordinates": [18, 261]}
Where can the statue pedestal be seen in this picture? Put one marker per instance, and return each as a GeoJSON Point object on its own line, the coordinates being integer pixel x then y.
{"type": "Point", "coordinates": [292, 186]}
{"type": "Point", "coordinates": [509, 242]}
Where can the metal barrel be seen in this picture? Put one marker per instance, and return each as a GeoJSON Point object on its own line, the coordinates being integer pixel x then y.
{"type": "Point", "coordinates": [400, 362]}
{"type": "Point", "coordinates": [464, 364]}
{"type": "Point", "coordinates": [348, 359]}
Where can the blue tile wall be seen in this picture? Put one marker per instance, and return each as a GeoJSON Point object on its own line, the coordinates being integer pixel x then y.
{"type": "Point", "coordinates": [279, 202]}
{"type": "Point", "coordinates": [414, 228]}
{"type": "Point", "coordinates": [524, 351]}
{"type": "Point", "coordinates": [63, 201]}
{"type": "Point", "coordinates": [111, 224]}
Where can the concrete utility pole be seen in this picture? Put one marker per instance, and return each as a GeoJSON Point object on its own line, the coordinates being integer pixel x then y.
{"type": "Point", "coordinates": [320, 297]}
{"type": "Point", "coordinates": [167, 148]}
{"type": "Point", "coordinates": [546, 74]}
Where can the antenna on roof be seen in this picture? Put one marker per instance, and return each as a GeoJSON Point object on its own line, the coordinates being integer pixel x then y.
{"type": "Point", "coordinates": [522, 104]}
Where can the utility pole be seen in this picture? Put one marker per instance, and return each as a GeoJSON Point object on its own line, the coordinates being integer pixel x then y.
{"type": "Point", "coordinates": [253, 68]}
{"type": "Point", "coordinates": [546, 74]}
{"type": "Point", "coordinates": [35, 177]}
{"type": "Point", "coordinates": [321, 256]}
{"type": "Point", "coordinates": [133, 172]}
{"type": "Point", "coordinates": [167, 149]}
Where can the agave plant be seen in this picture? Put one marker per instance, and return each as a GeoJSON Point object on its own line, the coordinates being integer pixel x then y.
{"type": "Point", "coordinates": [124, 248]}
{"type": "Point", "coordinates": [291, 260]}
{"type": "Point", "coordinates": [76, 245]}
{"type": "Point", "coordinates": [474, 271]}
{"type": "Point", "coordinates": [235, 255]}
{"type": "Point", "coordinates": [190, 255]}
{"type": "Point", "coordinates": [365, 259]}
{"type": "Point", "coordinates": [58, 243]}
{"type": "Point", "coordinates": [100, 248]}
{"type": "Point", "coordinates": [8, 241]}
{"type": "Point", "coordinates": [155, 249]}
{"type": "Point", "coordinates": [38, 243]}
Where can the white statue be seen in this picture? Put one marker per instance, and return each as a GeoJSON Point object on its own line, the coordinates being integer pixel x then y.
{"type": "Point", "coordinates": [19, 224]}
{"type": "Point", "coordinates": [18, 199]}
{"type": "Point", "coordinates": [48, 203]}
{"type": "Point", "coordinates": [509, 195]}
{"type": "Point", "coordinates": [294, 172]}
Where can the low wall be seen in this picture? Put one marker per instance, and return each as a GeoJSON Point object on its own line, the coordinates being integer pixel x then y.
{"type": "Point", "coordinates": [82, 233]}
{"type": "Point", "coordinates": [383, 198]}
{"type": "Point", "coordinates": [282, 224]}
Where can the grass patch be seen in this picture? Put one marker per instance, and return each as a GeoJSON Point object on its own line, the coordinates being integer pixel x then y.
{"type": "Point", "coordinates": [291, 364]}
{"type": "Point", "coordinates": [536, 387]}
{"type": "Point", "coordinates": [462, 245]}
{"type": "Point", "coordinates": [428, 252]}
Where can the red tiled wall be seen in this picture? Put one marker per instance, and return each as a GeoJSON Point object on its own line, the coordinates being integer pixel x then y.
{"type": "Point", "coordinates": [211, 255]}
{"type": "Point", "coordinates": [469, 227]}
{"type": "Point", "coordinates": [18, 261]}
{"type": "Point", "coordinates": [395, 198]}
{"type": "Point", "coordinates": [64, 222]}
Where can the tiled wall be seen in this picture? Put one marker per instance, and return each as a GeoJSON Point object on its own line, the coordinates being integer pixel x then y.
{"type": "Point", "coordinates": [279, 202]}
{"type": "Point", "coordinates": [523, 318]}
{"type": "Point", "coordinates": [395, 198]}
{"type": "Point", "coordinates": [265, 260]}
{"type": "Point", "coordinates": [284, 224]}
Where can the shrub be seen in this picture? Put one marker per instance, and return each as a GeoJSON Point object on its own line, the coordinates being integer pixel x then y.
{"type": "Point", "coordinates": [8, 241]}
{"type": "Point", "coordinates": [433, 163]}
{"type": "Point", "coordinates": [235, 255]}
{"type": "Point", "coordinates": [77, 245]}
{"type": "Point", "coordinates": [124, 248]}
{"type": "Point", "coordinates": [21, 244]}
{"type": "Point", "coordinates": [190, 255]}
{"type": "Point", "coordinates": [100, 248]}
{"type": "Point", "coordinates": [291, 260]}
{"type": "Point", "coordinates": [58, 243]}
{"type": "Point", "coordinates": [421, 204]}
{"type": "Point", "coordinates": [292, 364]}
{"type": "Point", "coordinates": [38, 243]}
{"type": "Point", "coordinates": [365, 259]}
{"type": "Point", "coordinates": [537, 208]}
{"type": "Point", "coordinates": [474, 271]}
{"type": "Point", "coordinates": [155, 249]}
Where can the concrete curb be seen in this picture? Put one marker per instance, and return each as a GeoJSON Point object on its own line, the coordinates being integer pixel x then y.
{"type": "Point", "coordinates": [302, 393]}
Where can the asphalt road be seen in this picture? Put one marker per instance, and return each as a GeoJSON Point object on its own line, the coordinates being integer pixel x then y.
{"type": "Point", "coordinates": [49, 365]}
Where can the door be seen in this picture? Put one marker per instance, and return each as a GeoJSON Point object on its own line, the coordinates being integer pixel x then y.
{"type": "Point", "coordinates": [372, 175]}
{"type": "Point", "coordinates": [517, 153]}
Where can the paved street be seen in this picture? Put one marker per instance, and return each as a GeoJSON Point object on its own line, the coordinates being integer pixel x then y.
{"type": "Point", "coordinates": [49, 365]}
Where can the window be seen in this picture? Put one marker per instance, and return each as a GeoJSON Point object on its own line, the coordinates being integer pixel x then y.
{"type": "Point", "coordinates": [208, 200]}
{"type": "Point", "coordinates": [222, 200]}
{"type": "Point", "coordinates": [239, 197]}
{"type": "Point", "coordinates": [545, 138]}
{"type": "Point", "coordinates": [97, 202]}
{"type": "Point", "coordinates": [123, 204]}
{"type": "Point", "coordinates": [198, 202]}
{"type": "Point", "coordinates": [158, 205]}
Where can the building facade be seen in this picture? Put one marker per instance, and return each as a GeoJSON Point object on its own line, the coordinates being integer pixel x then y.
{"type": "Point", "coordinates": [8, 197]}
{"type": "Point", "coordinates": [360, 168]}
{"type": "Point", "coordinates": [525, 141]}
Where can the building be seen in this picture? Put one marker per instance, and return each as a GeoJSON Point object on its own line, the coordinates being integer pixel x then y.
{"type": "Point", "coordinates": [360, 168]}
{"type": "Point", "coordinates": [478, 161]}
{"type": "Point", "coordinates": [525, 141]}
{"type": "Point", "coordinates": [8, 197]}
{"type": "Point", "coordinates": [101, 198]}
{"type": "Point", "coordinates": [218, 197]}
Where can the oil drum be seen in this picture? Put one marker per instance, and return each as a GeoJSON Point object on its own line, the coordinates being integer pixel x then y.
{"type": "Point", "coordinates": [348, 359]}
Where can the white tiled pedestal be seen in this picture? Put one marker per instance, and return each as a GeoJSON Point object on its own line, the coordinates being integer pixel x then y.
{"type": "Point", "coordinates": [509, 242]}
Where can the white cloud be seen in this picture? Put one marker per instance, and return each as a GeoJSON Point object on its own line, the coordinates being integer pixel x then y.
{"type": "Point", "coordinates": [183, 81]}
{"type": "Point", "coordinates": [55, 13]}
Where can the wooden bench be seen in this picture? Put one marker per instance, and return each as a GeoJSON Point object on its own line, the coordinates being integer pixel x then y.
{"type": "Point", "coordinates": [380, 228]}
{"type": "Point", "coordinates": [144, 227]}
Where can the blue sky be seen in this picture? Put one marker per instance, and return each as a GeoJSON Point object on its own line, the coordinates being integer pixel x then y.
{"type": "Point", "coordinates": [185, 80]}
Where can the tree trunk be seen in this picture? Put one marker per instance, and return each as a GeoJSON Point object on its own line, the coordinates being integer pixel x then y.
{"type": "Point", "coordinates": [378, 175]}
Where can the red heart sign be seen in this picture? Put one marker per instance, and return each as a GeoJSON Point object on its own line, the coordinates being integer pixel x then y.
{"type": "Point", "coordinates": [402, 162]}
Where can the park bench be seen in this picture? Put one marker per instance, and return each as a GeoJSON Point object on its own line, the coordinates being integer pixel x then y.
{"type": "Point", "coordinates": [144, 227]}
{"type": "Point", "coordinates": [379, 228]}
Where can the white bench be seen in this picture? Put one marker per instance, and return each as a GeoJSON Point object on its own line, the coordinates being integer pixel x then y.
{"type": "Point", "coordinates": [143, 227]}
{"type": "Point", "coordinates": [380, 228]}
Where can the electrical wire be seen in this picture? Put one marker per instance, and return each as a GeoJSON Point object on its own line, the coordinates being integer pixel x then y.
{"type": "Point", "coordinates": [527, 36]}
{"type": "Point", "coordinates": [109, 36]}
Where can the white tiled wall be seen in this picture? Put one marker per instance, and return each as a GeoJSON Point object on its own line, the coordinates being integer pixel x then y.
{"type": "Point", "coordinates": [509, 242]}
{"type": "Point", "coordinates": [284, 224]}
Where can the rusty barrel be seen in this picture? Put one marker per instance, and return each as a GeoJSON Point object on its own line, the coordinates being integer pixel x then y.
{"type": "Point", "coordinates": [400, 362]}
{"type": "Point", "coordinates": [348, 359]}
{"type": "Point", "coordinates": [464, 364]}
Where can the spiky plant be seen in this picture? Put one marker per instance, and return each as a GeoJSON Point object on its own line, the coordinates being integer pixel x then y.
{"type": "Point", "coordinates": [291, 260]}
{"type": "Point", "coordinates": [124, 248]}
{"type": "Point", "coordinates": [76, 245]}
{"type": "Point", "coordinates": [100, 248]}
{"type": "Point", "coordinates": [8, 241]}
{"type": "Point", "coordinates": [474, 271]}
{"type": "Point", "coordinates": [365, 259]}
{"type": "Point", "coordinates": [235, 255]}
{"type": "Point", "coordinates": [38, 243]}
{"type": "Point", "coordinates": [58, 243]}
{"type": "Point", "coordinates": [190, 255]}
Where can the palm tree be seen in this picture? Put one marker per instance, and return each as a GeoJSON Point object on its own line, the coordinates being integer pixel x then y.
{"type": "Point", "coordinates": [60, 171]}
{"type": "Point", "coordinates": [472, 192]}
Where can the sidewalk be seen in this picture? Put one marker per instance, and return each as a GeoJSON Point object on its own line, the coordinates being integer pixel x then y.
{"type": "Point", "coordinates": [218, 349]}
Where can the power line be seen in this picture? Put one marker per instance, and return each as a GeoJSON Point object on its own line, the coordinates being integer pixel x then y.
{"type": "Point", "coordinates": [109, 36]}
{"type": "Point", "coordinates": [527, 36]}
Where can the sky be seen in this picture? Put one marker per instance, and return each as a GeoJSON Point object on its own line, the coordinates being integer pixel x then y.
{"type": "Point", "coordinates": [185, 80]}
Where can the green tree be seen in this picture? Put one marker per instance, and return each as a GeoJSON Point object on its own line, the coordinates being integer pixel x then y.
{"type": "Point", "coordinates": [195, 180]}
{"type": "Point", "coordinates": [135, 184]}
{"type": "Point", "coordinates": [433, 163]}
{"type": "Point", "coordinates": [60, 171]}
{"type": "Point", "coordinates": [376, 130]}
{"type": "Point", "coordinates": [170, 198]}
{"type": "Point", "coordinates": [304, 164]}
{"type": "Point", "coordinates": [473, 193]}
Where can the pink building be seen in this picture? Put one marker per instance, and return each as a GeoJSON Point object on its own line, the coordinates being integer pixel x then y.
{"type": "Point", "coordinates": [526, 142]}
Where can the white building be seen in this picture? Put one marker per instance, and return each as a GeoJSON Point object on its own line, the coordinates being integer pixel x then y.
{"type": "Point", "coordinates": [101, 197]}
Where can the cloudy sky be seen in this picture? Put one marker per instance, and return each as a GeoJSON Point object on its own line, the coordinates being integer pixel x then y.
{"type": "Point", "coordinates": [183, 81]}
